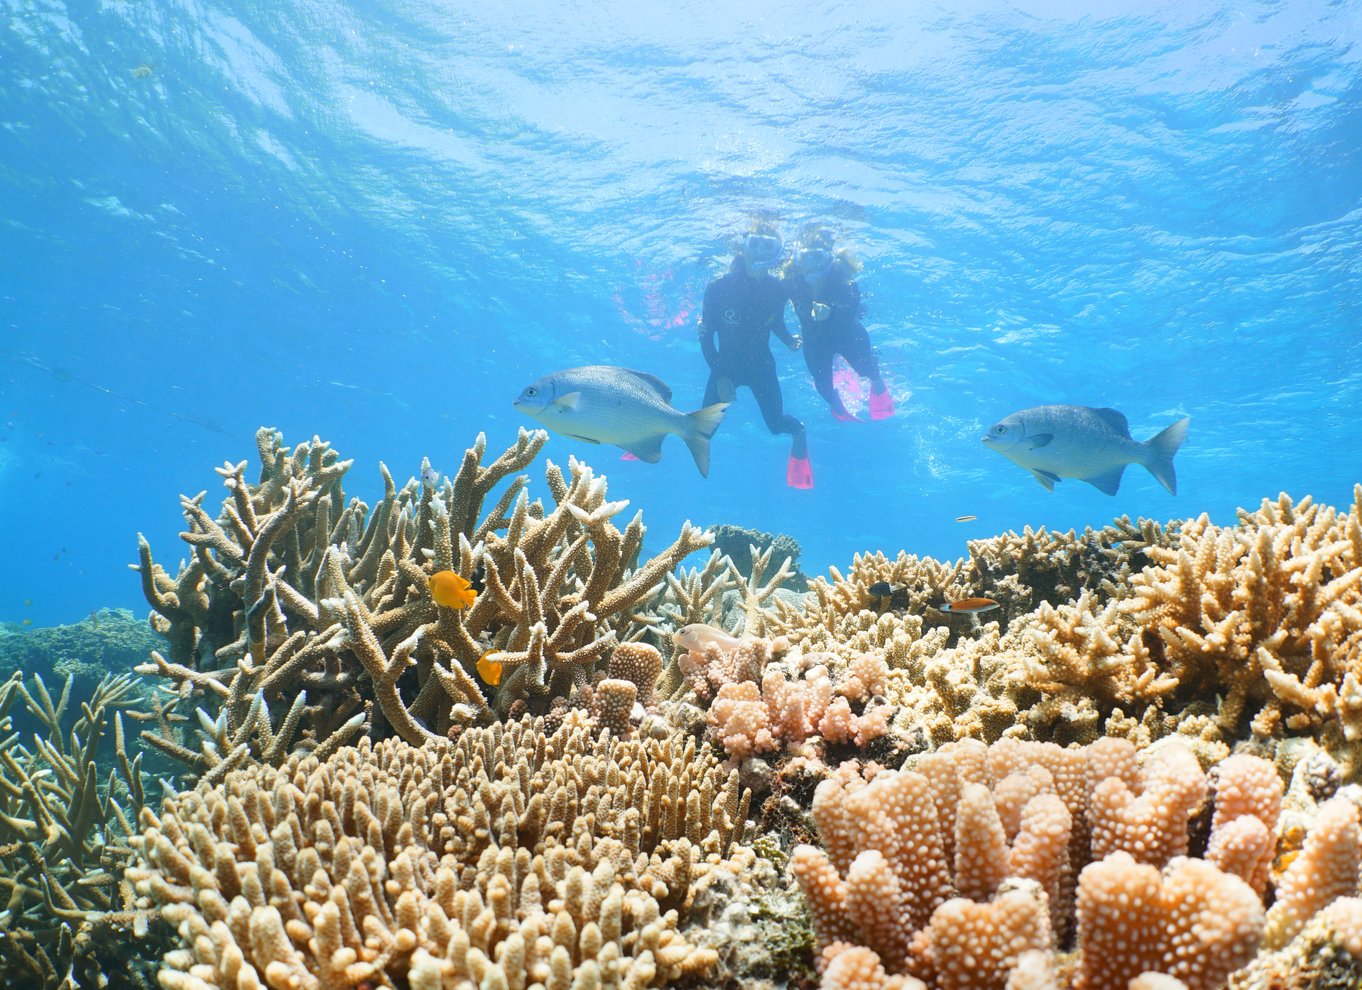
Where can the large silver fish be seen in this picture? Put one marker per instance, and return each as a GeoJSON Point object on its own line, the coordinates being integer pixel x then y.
{"type": "Point", "coordinates": [1093, 445]}
{"type": "Point", "coordinates": [600, 403]}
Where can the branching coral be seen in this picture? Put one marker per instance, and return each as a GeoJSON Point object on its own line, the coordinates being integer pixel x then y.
{"type": "Point", "coordinates": [316, 605]}
{"type": "Point", "coordinates": [1259, 623]}
{"type": "Point", "coordinates": [507, 858]}
{"type": "Point", "coordinates": [66, 816]}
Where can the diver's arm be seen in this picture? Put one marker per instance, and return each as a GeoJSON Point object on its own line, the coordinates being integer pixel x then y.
{"type": "Point", "coordinates": [709, 322]}
{"type": "Point", "coordinates": [791, 340]}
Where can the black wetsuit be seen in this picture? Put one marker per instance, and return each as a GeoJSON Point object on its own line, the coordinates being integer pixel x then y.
{"type": "Point", "coordinates": [841, 333]}
{"type": "Point", "coordinates": [739, 316]}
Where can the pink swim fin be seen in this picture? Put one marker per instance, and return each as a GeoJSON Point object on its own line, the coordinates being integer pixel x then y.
{"type": "Point", "coordinates": [881, 405]}
{"type": "Point", "coordinates": [799, 473]}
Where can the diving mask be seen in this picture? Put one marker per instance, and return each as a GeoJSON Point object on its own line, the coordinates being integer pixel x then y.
{"type": "Point", "coordinates": [813, 262]}
{"type": "Point", "coordinates": [761, 252]}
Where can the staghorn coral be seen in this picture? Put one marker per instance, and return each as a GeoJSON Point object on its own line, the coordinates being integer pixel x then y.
{"type": "Point", "coordinates": [68, 807]}
{"type": "Point", "coordinates": [507, 858]}
{"type": "Point", "coordinates": [922, 866]}
{"type": "Point", "coordinates": [1256, 626]}
{"type": "Point", "coordinates": [1022, 571]}
{"type": "Point", "coordinates": [303, 619]}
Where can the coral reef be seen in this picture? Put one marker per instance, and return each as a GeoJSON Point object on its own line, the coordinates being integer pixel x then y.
{"type": "Point", "coordinates": [67, 813]}
{"type": "Point", "coordinates": [536, 789]}
{"type": "Point", "coordinates": [107, 640]}
{"type": "Point", "coordinates": [1259, 622]}
{"type": "Point", "coordinates": [952, 872]}
{"type": "Point", "coordinates": [511, 856]}
{"type": "Point", "coordinates": [303, 619]}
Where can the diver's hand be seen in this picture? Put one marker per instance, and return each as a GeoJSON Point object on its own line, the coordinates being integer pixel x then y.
{"type": "Point", "coordinates": [796, 342]}
{"type": "Point", "coordinates": [821, 311]}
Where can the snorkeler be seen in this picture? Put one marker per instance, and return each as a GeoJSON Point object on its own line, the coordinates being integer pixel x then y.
{"type": "Point", "coordinates": [827, 300]}
{"type": "Point", "coordinates": [742, 308]}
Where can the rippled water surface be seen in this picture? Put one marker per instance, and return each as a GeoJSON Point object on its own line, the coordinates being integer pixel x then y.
{"type": "Point", "coordinates": [377, 222]}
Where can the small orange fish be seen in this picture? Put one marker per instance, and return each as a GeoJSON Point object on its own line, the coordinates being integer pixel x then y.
{"type": "Point", "coordinates": [450, 590]}
{"type": "Point", "coordinates": [490, 670]}
{"type": "Point", "coordinates": [966, 518]}
{"type": "Point", "coordinates": [971, 606]}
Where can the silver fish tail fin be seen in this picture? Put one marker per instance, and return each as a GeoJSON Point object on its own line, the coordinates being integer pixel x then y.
{"type": "Point", "coordinates": [701, 426]}
{"type": "Point", "coordinates": [1160, 451]}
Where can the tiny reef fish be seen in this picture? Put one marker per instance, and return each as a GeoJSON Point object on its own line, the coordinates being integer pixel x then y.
{"type": "Point", "coordinates": [1092, 445]}
{"type": "Point", "coordinates": [490, 670]}
{"type": "Point", "coordinates": [966, 518]}
{"type": "Point", "coordinates": [451, 590]}
{"type": "Point", "coordinates": [430, 477]}
{"type": "Point", "coordinates": [631, 409]}
{"type": "Point", "coordinates": [971, 606]}
{"type": "Point", "coordinates": [697, 636]}
{"type": "Point", "coordinates": [884, 589]}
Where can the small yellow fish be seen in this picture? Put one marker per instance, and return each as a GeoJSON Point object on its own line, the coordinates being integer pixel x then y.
{"type": "Point", "coordinates": [966, 518]}
{"type": "Point", "coordinates": [972, 606]}
{"type": "Point", "coordinates": [28, 602]}
{"type": "Point", "coordinates": [490, 670]}
{"type": "Point", "coordinates": [450, 590]}
{"type": "Point", "coordinates": [27, 622]}
{"type": "Point", "coordinates": [697, 636]}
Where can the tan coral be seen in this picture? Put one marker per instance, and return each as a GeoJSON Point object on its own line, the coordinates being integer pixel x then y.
{"type": "Point", "coordinates": [970, 818]}
{"type": "Point", "coordinates": [296, 599]}
{"type": "Point", "coordinates": [507, 857]}
{"type": "Point", "coordinates": [1326, 869]}
{"type": "Point", "coordinates": [1191, 921]}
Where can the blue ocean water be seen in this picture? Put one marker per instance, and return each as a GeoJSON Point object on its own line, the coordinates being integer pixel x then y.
{"type": "Point", "coordinates": [376, 222]}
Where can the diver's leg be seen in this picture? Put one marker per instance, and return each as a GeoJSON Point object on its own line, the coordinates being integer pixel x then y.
{"type": "Point", "coordinates": [819, 357]}
{"type": "Point", "coordinates": [863, 360]}
{"type": "Point", "coordinates": [766, 388]}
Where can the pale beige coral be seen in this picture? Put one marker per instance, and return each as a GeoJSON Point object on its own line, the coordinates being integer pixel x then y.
{"type": "Point", "coordinates": [641, 665]}
{"type": "Point", "coordinates": [1191, 921]}
{"type": "Point", "coordinates": [1248, 802]}
{"type": "Point", "coordinates": [612, 705]}
{"type": "Point", "coordinates": [747, 720]}
{"type": "Point", "coordinates": [970, 818]}
{"type": "Point", "coordinates": [1326, 869]}
{"type": "Point", "coordinates": [294, 597]}
{"type": "Point", "coordinates": [973, 945]}
{"type": "Point", "coordinates": [507, 858]}
{"type": "Point", "coordinates": [1264, 617]}
{"type": "Point", "coordinates": [1344, 920]}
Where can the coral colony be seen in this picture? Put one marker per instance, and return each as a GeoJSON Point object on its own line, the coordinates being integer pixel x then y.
{"type": "Point", "coordinates": [1140, 771]}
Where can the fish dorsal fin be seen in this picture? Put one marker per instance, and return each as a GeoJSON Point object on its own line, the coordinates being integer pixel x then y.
{"type": "Point", "coordinates": [653, 382]}
{"type": "Point", "coordinates": [1113, 418]}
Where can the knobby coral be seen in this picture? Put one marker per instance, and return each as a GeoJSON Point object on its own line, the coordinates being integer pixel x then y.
{"type": "Point", "coordinates": [950, 873]}
{"type": "Point", "coordinates": [508, 858]}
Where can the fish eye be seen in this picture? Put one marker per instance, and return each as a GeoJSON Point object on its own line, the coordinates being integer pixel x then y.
{"type": "Point", "coordinates": [999, 429]}
{"type": "Point", "coordinates": [531, 390]}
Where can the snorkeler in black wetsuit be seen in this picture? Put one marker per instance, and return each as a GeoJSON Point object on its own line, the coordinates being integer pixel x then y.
{"type": "Point", "coordinates": [827, 301]}
{"type": "Point", "coordinates": [743, 307]}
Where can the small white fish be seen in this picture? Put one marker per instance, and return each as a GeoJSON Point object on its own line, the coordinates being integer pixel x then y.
{"type": "Point", "coordinates": [697, 636]}
{"type": "Point", "coordinates": [429, 476]}
{"type": "Point", "coordinates": [1093, 445]}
